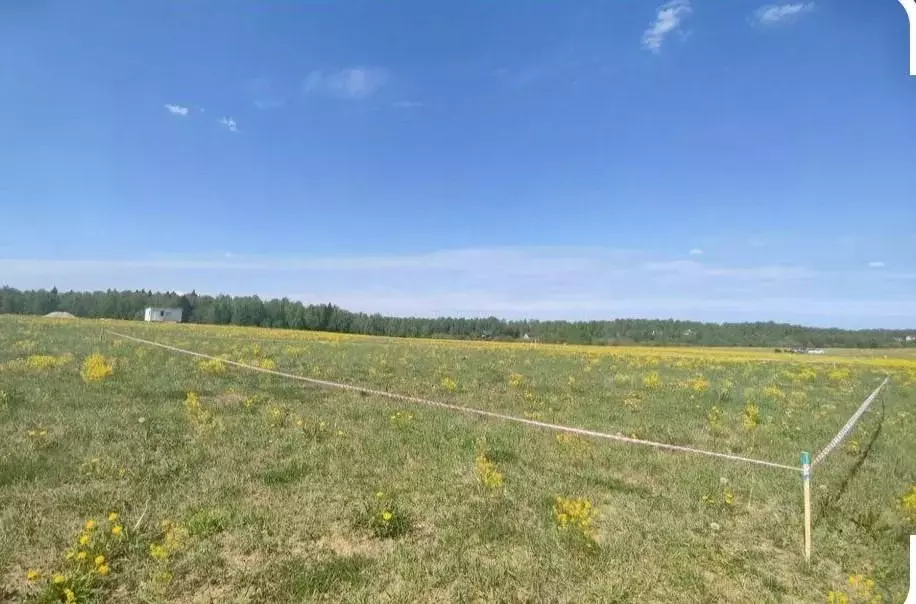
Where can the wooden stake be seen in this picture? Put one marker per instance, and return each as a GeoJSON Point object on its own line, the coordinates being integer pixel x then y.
{"type": "Point", "coordinates": [806, 478]}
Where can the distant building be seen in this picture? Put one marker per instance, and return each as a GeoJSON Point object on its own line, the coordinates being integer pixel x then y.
{"type": "Point", "coordinates": [815, 351]}
{"type": "Point", "coordinates": [162, 315]}
{"type": "Point", "coordinates": [911, 339]}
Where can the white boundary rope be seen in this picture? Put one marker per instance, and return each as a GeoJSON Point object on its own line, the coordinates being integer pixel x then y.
{"type": "Point", "coordinates": [480, 412]}
{"type": "Point", "coordinates": [844, 431]}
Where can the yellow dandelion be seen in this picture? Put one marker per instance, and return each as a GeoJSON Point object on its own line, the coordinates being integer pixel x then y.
{"type": "Point", "coordinates": [80, 555]}
{"type": "Point", "coordinates": [99, 560]}
{"type": "Point", "coordinates": [112, 516]}
{"type": "Point", "coordinates": [386, 515]}
{"type": "Point", "coordinates": [58, 579]}
{"type": "Point", "coordinates": [84, 539]}
{"type": "Point", "coordinates": [70, 596]}
{"type": "Point", "coordinates": [103, 569]}
{"type": "Point", "coordinates": [90, 524]}
{"type": "Point", "coordinates": [116, 530]}
{"type": "Point", "coordinates": [33, 575]}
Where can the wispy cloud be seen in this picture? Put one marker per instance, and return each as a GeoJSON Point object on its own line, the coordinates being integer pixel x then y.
{"type": "Point", "coordinates": [264, 94]}
{"type": "Point", "coordinates": [265, 104]}
{"type": "Point", "coordinates": [696, 252]}
{"type": "Point", "coordinates": [876, 264]}
{"type": "Point", "coordinates": [229, 123]}
{"type": "Point", "coordinates": [176, 109]}
{"type": "Point", "coordinates": [772, 14]}
{"type": "Point", "coordinates": [407, 104]}
{"type": "Point", "coordinates": [668, 19]}
{"type": "Point", "coordinates": [548, 283]}
{"type": "Point", "coordinates": [350, 83]}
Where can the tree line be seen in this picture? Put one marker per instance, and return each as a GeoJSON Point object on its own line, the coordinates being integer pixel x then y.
{"type": "Point", "coordinates": [290, 314]}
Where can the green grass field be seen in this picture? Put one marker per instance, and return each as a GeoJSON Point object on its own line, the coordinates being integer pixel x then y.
{"type": "Point", "coordinates": [235, 486]}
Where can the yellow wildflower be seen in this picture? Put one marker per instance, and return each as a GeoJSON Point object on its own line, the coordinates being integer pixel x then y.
{"type": "Point", "coordinates": [837, 597]}
{"type": "Point", "coordinates": [90, 524]}
{"type": "Point", "coordinates": [103, 569]}
{"type": "Point", "coordinates": [84, 539]}
{"type": "Point", "coordinates": [487, 473]}
{"type": "Point", "coordinates": [116, 530]}
{"type": "Point", "coordinates": [908, 504]}
{"type": "Point", "coordinates": [33, 575]}
{"type": "Point", "coordinates": [70, 596]}
{"type": "Point", "coordinates": [80, 555]}
{"type": "Point", "coordinates": [386, 515]}
{"type": "Point", "coordinates": [157, 551]}
{"type": "Point", "coordinates": [58, 579]}
{"type": "Point", "coordinates": [575, 513]}
{"type": "Point", "coordinates": [99, 560]}
{"type": "Point", "coordinates": [112, 516]}
{"type": "Point", "coordinates": [96, 368]}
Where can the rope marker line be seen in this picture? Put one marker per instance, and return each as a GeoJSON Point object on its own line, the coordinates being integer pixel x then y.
{"type": "Point", "coordinates": [471, 410]}
{"type": "Point", "coordinates": [844, 431]}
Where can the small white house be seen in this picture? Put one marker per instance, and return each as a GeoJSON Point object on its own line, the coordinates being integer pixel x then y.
{"type": "Point", "coordinates": [167, 315]}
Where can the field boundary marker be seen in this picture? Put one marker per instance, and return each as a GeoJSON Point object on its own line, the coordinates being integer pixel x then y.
{"type": "Point", "coordinates": [848, 426]}
{"type": "Point", "coordinates": [471, 410]}
{"type": "Point", "coordinates": [808, 464]}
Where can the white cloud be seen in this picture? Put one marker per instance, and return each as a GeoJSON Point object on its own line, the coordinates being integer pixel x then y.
{"type": "Point", "coordinates": [691, 269]}
{"type": "Point", "coordinates": [350, 83]}
{"type": "Point", "coordinates": [535, 282]}
{"type": "Point", "coordinates": [776, 13]}
{"type": "Point", "coordinates": [264, 94]}
{"type": "Point", "coordinates": [176, 109]}
{"type": "Point", "coordinates": [876, 264]}
{"type": "Point", "coordinates": [269, 104]}
{"type": "Point", "coordinates": [696, 252]}
{"type": "Point", "coordinates": [229, 123]}
{"type": "Point", "coordinates": [669, 18]}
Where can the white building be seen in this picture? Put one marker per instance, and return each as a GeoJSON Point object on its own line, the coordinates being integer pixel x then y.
{"type": "Point", "coordinates": [169, 315]}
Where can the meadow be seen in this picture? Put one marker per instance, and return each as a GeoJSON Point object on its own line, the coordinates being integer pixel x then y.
{"type": "Point", "coordinates": [134, 474]}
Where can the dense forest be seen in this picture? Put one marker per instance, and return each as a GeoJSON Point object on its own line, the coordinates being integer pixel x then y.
{"type": "Point", "coordinates": [288, 314]}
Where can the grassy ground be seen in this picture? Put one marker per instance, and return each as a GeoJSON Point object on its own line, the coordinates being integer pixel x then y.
{"type": "Point", "coordinates": [233, 486]}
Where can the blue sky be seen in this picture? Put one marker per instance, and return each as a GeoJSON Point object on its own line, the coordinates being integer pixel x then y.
{"type": "Point", "coordinates": [706, 160]}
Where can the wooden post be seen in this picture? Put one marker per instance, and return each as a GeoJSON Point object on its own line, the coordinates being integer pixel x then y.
{"type": "Point", "coordinates": [911, 597]}
{"type": "Point", "coordinates": [806, 478]}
